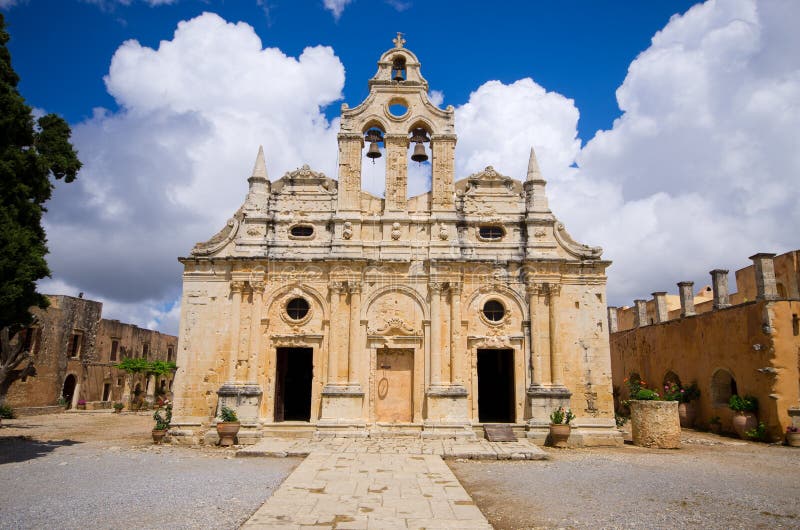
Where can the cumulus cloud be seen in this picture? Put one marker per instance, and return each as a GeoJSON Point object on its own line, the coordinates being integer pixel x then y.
{"type": "Point", "coordinates": [336, 7]}
{"type": "Point", "coordinates": [170, 167]}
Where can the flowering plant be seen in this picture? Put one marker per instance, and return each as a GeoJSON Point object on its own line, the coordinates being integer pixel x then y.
{"type": "Point", "coordinates": [792, 428]}
{"type": "Point", "coordinates": [675, 392]}
{"type": "Point", "coordinates": [638, 389]}
{"type": "Point", "coordinates": [561, 416]}
{"type": "Point", "coordinates": [81, 402]}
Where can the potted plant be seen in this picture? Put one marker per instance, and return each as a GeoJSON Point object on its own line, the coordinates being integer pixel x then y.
{"type": "Point", "coordinates": [745, 418]}
{"type": "Point", "coordinates": [560, 427]}
{"type": "Point", "coordinates": [162, 423]}
{"type": "Point", "coordinates": [118, 407]}
{"type": "Point", "coordinates": [228, 426]}
{"type": "Point", "coordinates": [684, 397]}
{"type": "Point", "coordinates": [715, 425]}
{"type": "Point", "coordinates": [81, 404]}
{"type": "Point", "coordinates": [793, 436]}
{"type": "Point", "coordinates": [654, 421]}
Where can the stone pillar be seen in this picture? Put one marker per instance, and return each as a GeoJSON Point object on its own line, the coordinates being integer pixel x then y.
{"type": "Point", "coordinates": [443, 148]}
{"type": "Point", "coordinates": [350, 146]}
{"type": "Point", "coordinates": [255, 331]}
{"type": "Point", "coordinates": [660, 302]}
{"type": "Point", "coordinates": [436, 333]}
{"type": "Point", "coordinates": [355, 328]}
{"type": "Point", "coordinates": [396, 172]}
{"type": "Point", "coordinates": [556, 363]}
{"type": "Point", "coordinates": [532, 290]}
{"type": "Point", "coordinates": [126, 390]}
{"type": "Point", "coordinates": [719, 285]}
{"type": "Point", "coordinates": [766, 285]}
{"type": "Point", "coordinates": [686, 293]}
{"type": "Point", "coordinates": [76, 394]}
{"type": "Point", "coordinates": [236, 307]}
{"type": "Point", "coordinates": [613, 325]}
{"type": "Point", "coordinates": [151, 388]}
{"type": "Point", "coordinates": [456, 369]}
{"type": "Point", "coordinates": [639, 313]}
{"type": "Point", "coordinates": [336, 289]}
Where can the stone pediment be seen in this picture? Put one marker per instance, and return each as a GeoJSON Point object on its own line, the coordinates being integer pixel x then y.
{"type": "Point", "coordinates": [306, 179]}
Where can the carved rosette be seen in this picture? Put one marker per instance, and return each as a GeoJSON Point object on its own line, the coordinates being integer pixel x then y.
{"type": "Point", "coordinates": [395, 234]}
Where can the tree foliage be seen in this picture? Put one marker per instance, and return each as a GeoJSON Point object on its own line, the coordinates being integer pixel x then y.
{"type": "Point", "coordinates": [32, 156]}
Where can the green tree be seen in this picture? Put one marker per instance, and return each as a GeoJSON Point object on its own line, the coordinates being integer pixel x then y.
{"type": "Point", "coordinates": [32, 156]}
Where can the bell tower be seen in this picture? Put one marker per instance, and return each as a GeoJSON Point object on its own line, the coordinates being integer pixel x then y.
{"type": "Point", "coordinates": [397, 113]}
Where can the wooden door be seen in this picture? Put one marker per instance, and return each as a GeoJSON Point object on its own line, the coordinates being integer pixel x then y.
{"type": "Point", "coordinates": [394, 386]}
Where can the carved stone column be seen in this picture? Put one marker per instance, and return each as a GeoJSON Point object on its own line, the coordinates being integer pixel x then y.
{"type": "Point", "coordinates": [532, 290]}
{"type": "Point", "coordinates": [350, 146]}
{"type": "Point", "coordinates": [456, 368]}
{"type": "Point", "coordinates": [556, 363]}
{"type": "Point", "coordinates": [355, 336]}
{"type": "Point", "coordinates": [255, 331]}
{"type": "Point", "coordinates": [336, 289]}
{"type": "Point", "coordinates": [396, 172]}
{"type": "Point", "coordinates": [436, 333]}
{"type": "Point", "coordinates": [236, 308]}
{"type": "Point", "coordinates": [443, 148]}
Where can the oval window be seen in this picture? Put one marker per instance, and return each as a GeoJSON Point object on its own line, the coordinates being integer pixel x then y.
{"type": "Point", "coordinates": [494, 310]}
{"type": "Point", "coordinates": [297, 308]}
{"type": "Point", "coordinates": [491, 232]}
{"type": "Point", "coordinates": [302, 231]}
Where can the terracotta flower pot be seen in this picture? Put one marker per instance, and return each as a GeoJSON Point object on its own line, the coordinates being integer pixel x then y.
{"type": "Point", "coordinates": [227, 432]}
{"type": "Point", "coordinates": [744, 421]}
{"type": "Point", "coordinates": [793, 439]}
{"type": "Point", "coordinates": [559, 434]}
{"type": "Point", "coordinates": [655, 424]}
{"type": "Point", "coordinates": [687, 413]}
{"type": "Point", "coordinates": [158, 435]}
{"type": "Point", "coordinates": [715, 428]}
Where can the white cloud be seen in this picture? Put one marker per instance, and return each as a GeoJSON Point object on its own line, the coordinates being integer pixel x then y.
{"type": "Point", "coordinates": [436, 97]}
{"type": "Point", "coordinates": [171, 166]}
{"type": "Point", "coordinates": [5, 4]}
{"type": "Point", "coordinates": [336, 7]}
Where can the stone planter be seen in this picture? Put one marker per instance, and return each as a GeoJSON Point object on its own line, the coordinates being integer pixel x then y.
{"type": "Point", "coordinates": [655, 424]}
{"type": "Point", "coordinates": [559, 434]}
{"type": "Point", "coordinates": [744, 421]}
{"type": "Point", "coordinates": [158, 435]}
{"type": "Point", "coordinates": [687, 413]}
{"type": "Point", "coordinates": [793, 439]}
{"type": "Point", "coordinates": [227, 432]}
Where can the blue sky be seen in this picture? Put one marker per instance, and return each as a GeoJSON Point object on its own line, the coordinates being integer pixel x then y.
{"type": "Point", "coordinates": [667, 130]}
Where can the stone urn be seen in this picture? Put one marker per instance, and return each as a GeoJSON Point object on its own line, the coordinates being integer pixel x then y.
{"type": "Point", "coordinates": [744, 421]}
{"type": "Point", "coordinates": [687, 413]}
{"type": "Point", "coordinates": [158, 435]}
{"type": "Point", "coordinates": [793, 438]}
{"type": "Point", "coordinates": [559, 434]}
{"type": "Point", "coordinates": [227, 431]}
{"type": "Point", "coordinates": [655, 424]}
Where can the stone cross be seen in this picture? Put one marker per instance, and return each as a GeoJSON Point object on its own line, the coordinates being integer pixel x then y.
{"type": "Point", "coordinates": [399, 40]}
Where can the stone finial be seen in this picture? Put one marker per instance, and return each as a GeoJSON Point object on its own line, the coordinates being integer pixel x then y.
{"type": "Point", "coordinates": [639, 313]}
{"type": "Point", "coordinates": [660, 301]}
{"type": "Point", "coordinates": [533, 167]}
{"type": "Point", "coordinates": [766, 285]}
{"type": "Point", "coordinates": [612, 319]}
{"type": "Point", "coordinates": [259, 169]}
{"type": "Point", "coordinates": [719, 285]}
{"type": "Point", "coordinates": [686, 293]}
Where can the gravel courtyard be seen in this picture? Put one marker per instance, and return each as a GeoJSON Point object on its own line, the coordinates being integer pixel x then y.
{"type": "Point", "coordinates": [100, 470]}
{"type": "Point", "coordinates": [711, 482]}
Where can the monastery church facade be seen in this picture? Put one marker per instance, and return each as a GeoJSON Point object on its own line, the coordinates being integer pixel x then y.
{"type": "Point", "coordinates": [325, 310]}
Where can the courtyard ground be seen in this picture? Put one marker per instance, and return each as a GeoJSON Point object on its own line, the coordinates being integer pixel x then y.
{"type": "Point", "coordinates": [100, 470]}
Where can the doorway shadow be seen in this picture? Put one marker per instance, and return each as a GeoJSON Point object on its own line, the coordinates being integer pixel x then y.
{"type": "Point", "coordinates": [22, 448]}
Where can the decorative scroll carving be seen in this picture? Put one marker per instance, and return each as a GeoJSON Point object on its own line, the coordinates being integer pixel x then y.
{"type": "Point", "coordinates": [220, 239]}
{"type": "Point", "coordinates": [578, 250]}
{"type": "Point", "coordinates": [394, 326]}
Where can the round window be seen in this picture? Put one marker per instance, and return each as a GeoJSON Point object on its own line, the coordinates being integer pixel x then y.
{"type": "Point", "coordinates": [494, 310]}
{"type": "Point", "coordinates": [297, 308]}
{"type": "Point", "coordinates": [302, 231]}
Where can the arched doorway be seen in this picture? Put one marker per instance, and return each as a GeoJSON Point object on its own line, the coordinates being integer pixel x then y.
{"type": "Point", "coordinates": [68, 391]}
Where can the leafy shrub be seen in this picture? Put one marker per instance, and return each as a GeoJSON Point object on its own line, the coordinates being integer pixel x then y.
{"type": "Point", "coordinates": [645, 394]}
{"type": "Point", "coordinates": [758, 432]}
{"type": "Point", "coordinates": [620, 420]}
{"type": "Point", "coordinates": [7, 413]}
{"type": "Point", "coordinates": [743, 404]}
{"type": "Point", "coordinates": [162, 422]}
{"type": "Point", "coordinates": [119, 406]}
{"type": "Point", "coordinates": [227, 414]}
{"type": "Point", "coordinates": [561, 416]}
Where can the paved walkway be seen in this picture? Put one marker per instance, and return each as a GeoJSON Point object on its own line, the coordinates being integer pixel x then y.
{"type": "Point", "coordinates": [367, 490]}
{"type": "Point", "coordinates": [379, 483]}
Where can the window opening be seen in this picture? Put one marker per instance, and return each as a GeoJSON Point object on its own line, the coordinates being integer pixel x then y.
{"type": "Point", "coordinates": [491, 232]}
{"type": "Point", "coordinates": [114, 348]}
{"type": "Point", "coordinates": [302, 231]}
{"type": "Point", "coordinates": [297, 308]}
{"type": "Point", "coordinates": [494, 310]}
{"type": "Point", "coordinates": [74, 348]}
{"type": "Point", "coordinates": [399, 69]}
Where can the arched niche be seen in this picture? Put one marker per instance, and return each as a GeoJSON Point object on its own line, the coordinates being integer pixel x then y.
{"type": "Point", "coordinates": [723, 386]}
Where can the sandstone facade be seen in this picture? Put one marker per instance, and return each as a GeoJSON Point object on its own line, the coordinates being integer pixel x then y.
{"type": "Point", "coordinates": [322, 308]}
{"type": "Point", "coordinates": [75, 352]}
{"type": "Point", "coordinates": [745, 342]}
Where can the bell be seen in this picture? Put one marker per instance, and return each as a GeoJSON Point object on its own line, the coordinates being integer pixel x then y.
{"type": "Point", "coordinates": [398, 76]}
{"type": "Point", "coordinates": [374, 151]}
{"type": "Point", "coordinates": [419, 153]}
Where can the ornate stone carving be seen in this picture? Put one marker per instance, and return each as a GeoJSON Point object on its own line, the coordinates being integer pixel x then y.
{"type": "Point", "coordinates": [394, 326]}
{"type": "Point", "coordinates": [395, 234]}
{"type": "Point", "coordinates": [539, 232]}
{"type": "Point", "coordinates": [347, 230]}
{"type": "Point", "coordinates": [257, 286]}
{"type": "Point", "coordinates": [443, 233]}
{"type": "Point", "coordinates": [578, 250]}
{"type": "Point", "coordinates": [220, 239]}
{"type": "Point", "coordinates": [353, 287]}
{"type": "Point", "coordinates": [237, 286]}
